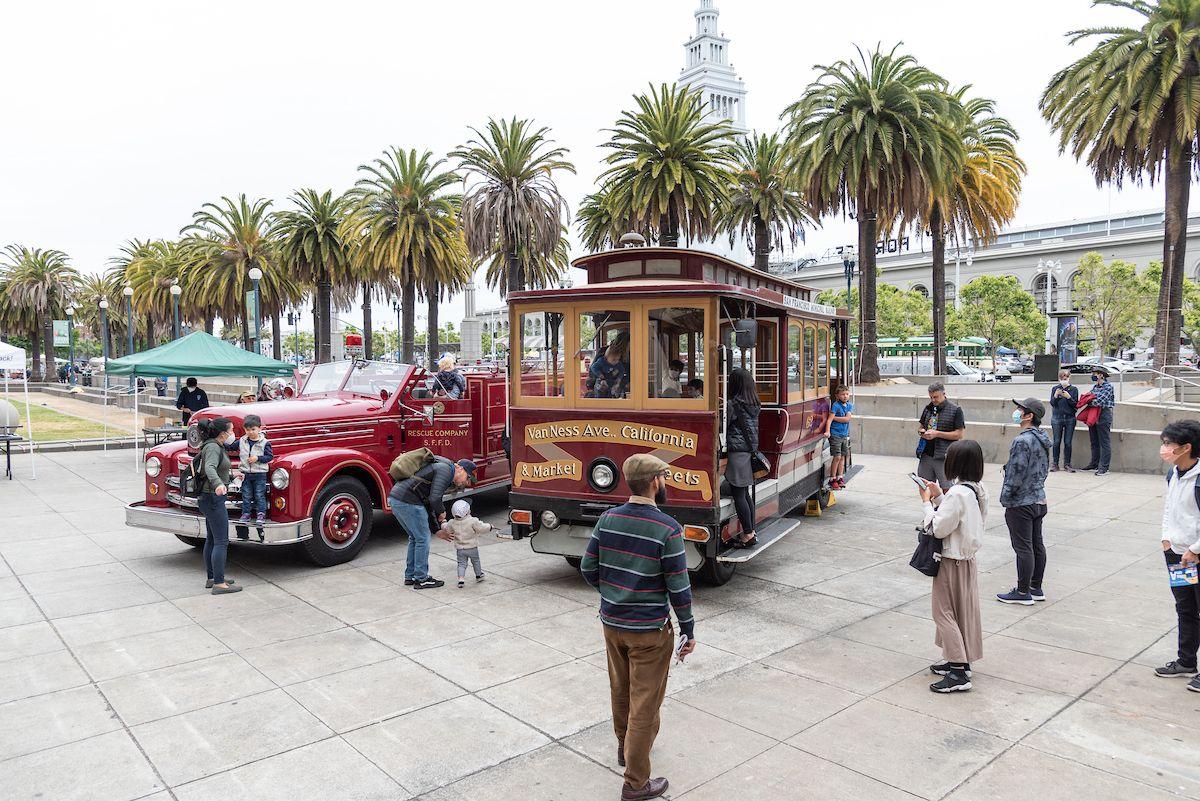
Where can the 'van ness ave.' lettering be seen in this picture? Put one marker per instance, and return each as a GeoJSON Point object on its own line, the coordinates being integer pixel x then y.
{"type": "Point", "coordinates": [612, 431]}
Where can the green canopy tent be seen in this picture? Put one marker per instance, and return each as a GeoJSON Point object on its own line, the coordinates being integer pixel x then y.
{"type": "Point", "coordinates": [197, 354]}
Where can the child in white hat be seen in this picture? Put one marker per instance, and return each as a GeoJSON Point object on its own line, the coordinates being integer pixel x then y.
{"type": "Point", "coordinates": [464, 530]}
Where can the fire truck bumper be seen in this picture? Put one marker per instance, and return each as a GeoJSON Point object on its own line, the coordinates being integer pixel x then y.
{"type": "Point", "coordinates": [572, 540]}
{"type": "Point", "coordinates": [191, 524]}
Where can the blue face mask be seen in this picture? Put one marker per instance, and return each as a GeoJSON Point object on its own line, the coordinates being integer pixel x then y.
{"type": "Point", "coordinates": [1095, 379]}
{"type": "Point", "coordinates": [1017, 415]}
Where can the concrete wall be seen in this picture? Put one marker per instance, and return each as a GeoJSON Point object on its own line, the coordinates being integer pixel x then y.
{"type": "Point", "coordinates": [887, 425]}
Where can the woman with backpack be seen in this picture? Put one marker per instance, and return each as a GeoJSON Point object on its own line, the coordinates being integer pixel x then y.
{"type": "Point", "coordinates": [212, 474]}
{"type": "Point", "coordinates": [741, 443]}
{"type": "Point", "coordinates": [957, 517]}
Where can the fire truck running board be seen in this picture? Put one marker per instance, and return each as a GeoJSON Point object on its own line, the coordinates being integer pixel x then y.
{"type": "Point", "coordinates": [767, 535]}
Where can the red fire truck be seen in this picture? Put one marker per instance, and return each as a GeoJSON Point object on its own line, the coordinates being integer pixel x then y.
{"type": "Point", "coordinates": [333, 445]}
{"type": "Point", "coordinates": [635, 361]}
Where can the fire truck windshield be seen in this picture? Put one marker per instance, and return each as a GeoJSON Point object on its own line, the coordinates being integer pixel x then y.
{"type": "Point", "coordinates": [326, 377]}
{"type": "Point", "coordinates": [368, 378]}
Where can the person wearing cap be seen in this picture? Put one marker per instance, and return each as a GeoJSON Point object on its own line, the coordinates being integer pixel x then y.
{"type": "Point", "coordinates": [414, 501]}
{"type": "Point", "coordinates": [636, 559]}
{"type": "Point", "coordinates": [1023, 496]}
{"type": "Point", "coordinates": [1100, 433]}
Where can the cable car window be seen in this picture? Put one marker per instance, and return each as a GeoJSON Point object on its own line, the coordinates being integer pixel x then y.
{"type": "Point", "coordinates": [676, 360]}
{"type": "Point", "coordinates": [543, 354]}
{"type": "Point", "coordinates": [795, 354]}
{"type": "Point", "coordinates": [810, 360]}
{"type": "Point", "coordinates": [766, 361]}
{"type": "Point", "coordinates": [604, 354]}
{"type": "Point", "coordinates": [823, 358]}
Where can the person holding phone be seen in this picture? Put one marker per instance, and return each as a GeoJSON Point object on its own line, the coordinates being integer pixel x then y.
{"type": "Point", "coordinates": [941, 423]}
{"type": "Point", "coordinates": [1180, 449]}
{"type": "Point", "coordinates": [957, 517]}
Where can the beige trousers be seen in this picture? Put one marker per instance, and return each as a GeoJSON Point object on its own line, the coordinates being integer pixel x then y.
{"type": "Point", "coordinates": [956, 611]}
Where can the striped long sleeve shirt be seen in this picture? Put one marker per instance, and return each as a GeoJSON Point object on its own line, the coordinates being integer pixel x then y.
{"type": "Point", "coordinates": [636, 559]}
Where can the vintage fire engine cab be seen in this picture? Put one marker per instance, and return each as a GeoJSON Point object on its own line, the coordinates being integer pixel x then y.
{"type": "Point", "coordinates": [333, 444]}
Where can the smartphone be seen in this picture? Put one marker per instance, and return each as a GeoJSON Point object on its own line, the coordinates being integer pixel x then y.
{"type": "Point", "coordinates": [683, 640]}
{"type": "Point", "coordinates": [920, 482]}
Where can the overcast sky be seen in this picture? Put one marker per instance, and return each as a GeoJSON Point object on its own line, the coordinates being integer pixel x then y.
{"type": "Point", "coordinates": [121, 119]}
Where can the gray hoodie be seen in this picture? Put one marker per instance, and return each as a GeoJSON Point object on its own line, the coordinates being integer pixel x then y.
{"type": "Point", "coordinates": [1025, 473]}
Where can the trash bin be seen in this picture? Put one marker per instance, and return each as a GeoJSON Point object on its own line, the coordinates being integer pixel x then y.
{"type": "Point", "coordinates": [1045, 367]}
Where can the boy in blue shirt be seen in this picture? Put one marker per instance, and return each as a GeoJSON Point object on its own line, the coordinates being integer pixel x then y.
{"type": "Point", "coordinates": [838, 432]}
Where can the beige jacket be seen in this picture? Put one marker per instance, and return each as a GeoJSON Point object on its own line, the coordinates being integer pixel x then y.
{"type": "Point", "coordinates": [466, 531]}
{"type": "Point", "coordinates": [957, 519]}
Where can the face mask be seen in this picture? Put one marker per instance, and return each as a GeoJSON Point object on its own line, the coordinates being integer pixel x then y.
{"type": "Point", "coordinates": [1066, 382]}
{"type": "Point", "coordinates": [1017, 415]}
{"type": "Point", "coordinates": [1095, 379]}
{"type": "Point", "coordinates": [1167, 453]}
{"type": "Point", "coordinates": [674, 375]}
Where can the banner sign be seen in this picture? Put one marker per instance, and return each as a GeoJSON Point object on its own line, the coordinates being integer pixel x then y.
{"type": "Point", "coordinates": [62, 333]}
{"type": "Point", "coordinates": [251, 317]}
{"type": "Point", "coordinates": [1068, 340]}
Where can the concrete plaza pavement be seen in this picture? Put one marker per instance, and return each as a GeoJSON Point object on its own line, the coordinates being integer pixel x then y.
{"type": "Point", "coordinates": [121, 678]}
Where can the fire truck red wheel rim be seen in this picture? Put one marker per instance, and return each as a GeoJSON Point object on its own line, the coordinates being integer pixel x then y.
{"type": "Point", "coordinates": [341, 520]}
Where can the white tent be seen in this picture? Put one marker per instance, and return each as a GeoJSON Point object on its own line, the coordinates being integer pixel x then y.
{"type": "Point", "coordinates": [12, 358]}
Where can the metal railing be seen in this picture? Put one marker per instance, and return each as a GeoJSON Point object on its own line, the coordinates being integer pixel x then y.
{"type": "Point", "coordinates": [1174, 378]}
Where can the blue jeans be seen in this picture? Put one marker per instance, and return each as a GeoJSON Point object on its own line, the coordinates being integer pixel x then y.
{"type": "Point", "coordinates": [415, 521]}
{"type": "Point", "coordinates": [1064, 432]}
{"type": "Point", "coordinates": [254, 493]}
{"type": "Point", "coordinates": [216, 543]}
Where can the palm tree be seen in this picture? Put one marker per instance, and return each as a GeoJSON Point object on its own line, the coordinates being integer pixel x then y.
{"type": "Point", "coordinates": [541, 271]}
{"type": "Point", "coordinates": [765, 207]}
{"type": "Point", "coordinates": [152, 273]}
{"type": "Point", "coordinates": [1129, 109]}
{"type": "Point", "coordinates": [600, 225]}
{"type": "Point", "coordinates": [404, 227]}
{"type": "Point", "coordinates": [669, 166]}
{"type": "Point", "coordinates": [511, 201]}
{"type": "Point", "coordinates": [42, 282]}
{"type": "Point", "coordinates": [223, 243]}
{"type": "Point", "coordinates": [871, 138]}
{"type": "Point", "coordinates": [16, 318]}
{"type": "Point", "coordinates": [94, 287]}
{"type": "Point", "coordinates": [314, 250]}
{"type": "Point", "coordinates": [979, 199]}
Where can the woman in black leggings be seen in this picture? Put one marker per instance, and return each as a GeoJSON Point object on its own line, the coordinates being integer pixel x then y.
{"type": "Point", "coordinates": [741, 441]}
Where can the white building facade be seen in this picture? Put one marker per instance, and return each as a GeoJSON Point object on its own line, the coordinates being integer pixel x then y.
{"type": "Point", "coordinates": [707, 70]}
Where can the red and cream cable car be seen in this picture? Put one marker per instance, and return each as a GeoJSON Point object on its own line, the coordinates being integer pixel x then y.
{"type": "Point", "coordinates": [637, 360]}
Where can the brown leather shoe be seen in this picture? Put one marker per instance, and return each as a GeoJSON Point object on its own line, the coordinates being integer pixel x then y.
{"type": "Point", "coordinates": [653, 789]}
{"type": "Point", "coordinates": [621, 754]}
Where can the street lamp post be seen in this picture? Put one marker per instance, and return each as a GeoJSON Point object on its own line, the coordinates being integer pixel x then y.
{"type": "Point", "coordinates": [396, 307]}
{"type": "Point", "coordinates": [176, 291]}
{"type": "Point", "coordinates": [71, 346]}
{"type": "Point", "coordinates": [256, 341]}
{"type": "Point", "coordinates": [104, 338]}
{"type": "Point", "coordinates": [849, 262]}
{"type": "Point", "coordinates": [1050, 268]}
{"type": "Point", "coordinates": [128, 293]}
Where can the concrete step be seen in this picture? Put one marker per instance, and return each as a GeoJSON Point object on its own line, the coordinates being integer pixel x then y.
{"type": "Point", "coordinates": [1133, 450]}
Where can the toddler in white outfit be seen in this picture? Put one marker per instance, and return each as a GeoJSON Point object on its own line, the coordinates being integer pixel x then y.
{"type": "Point", "coordinates": [464, 530]}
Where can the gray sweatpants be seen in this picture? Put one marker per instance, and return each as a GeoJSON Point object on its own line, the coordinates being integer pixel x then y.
{"type": "Point", "coordinates": [471, 554]}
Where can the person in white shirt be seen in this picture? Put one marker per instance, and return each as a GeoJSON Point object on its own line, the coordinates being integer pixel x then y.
{"type": "Point", "coordinates": [956, 517]}
{"type": "Point", "coordinates": [1181, 540]}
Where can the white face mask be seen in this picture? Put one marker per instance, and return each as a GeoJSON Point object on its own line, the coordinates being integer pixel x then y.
{"type": "Point", "coordinates": [674, 374]}
{"type": "Point", "coordinates": [1066, 382]}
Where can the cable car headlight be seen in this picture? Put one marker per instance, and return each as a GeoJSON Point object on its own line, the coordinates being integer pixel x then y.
{"type": "Point", "coordinates": [153, 466]}
{"type": "Point", "coordinates": [603, 475]}
{"type": "Point", "coordinates": [280, 478]}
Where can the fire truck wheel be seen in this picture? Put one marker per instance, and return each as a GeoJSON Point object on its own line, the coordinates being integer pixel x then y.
{"type": "Point", "coordinates": [716, 573]}
{"type": "Point", "coordinates": [341, 520]}
{"type": "Point", "coordinates": [195, 542]}
{"type": "Point", "coordinates": [574, 561]}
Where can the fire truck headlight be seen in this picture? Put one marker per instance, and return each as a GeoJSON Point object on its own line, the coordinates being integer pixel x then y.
{"type": "Point", "coordinates": [549, 519]}
{"type": "Point", "coordinates": [280, 478]}
{"type": "Point", "coordinates": [153, 466]}
{"type": "Point", "coordinates": [603, 476]}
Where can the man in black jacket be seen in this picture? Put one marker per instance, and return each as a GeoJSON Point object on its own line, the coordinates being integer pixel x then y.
{"type": "Point", "coordinates": [191, 400]}
{"type": "Point", "coordinates": [414, 500]}
{"type": "Point", "coordinates": [1064, 398]}
{"type": "Point", "coordinates": [941, 423]}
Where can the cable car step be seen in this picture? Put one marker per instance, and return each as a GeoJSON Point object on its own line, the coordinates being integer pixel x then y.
{"type": "Point", "coordinates": [767, 535]}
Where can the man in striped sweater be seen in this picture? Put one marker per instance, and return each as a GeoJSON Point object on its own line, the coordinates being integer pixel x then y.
{"type": "Point", "coordinates": [636, 559]}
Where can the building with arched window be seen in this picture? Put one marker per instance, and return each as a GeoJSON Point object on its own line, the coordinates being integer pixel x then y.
{"type": "Point", "coordinates": [707, 70]}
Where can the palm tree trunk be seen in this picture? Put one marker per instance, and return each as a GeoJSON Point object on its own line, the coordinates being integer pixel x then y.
{"type": "Point", "coordinates": [209, 323]}
{"type": "Point", "coordinates": [868, 345]}
{"type": "Point", "coordinates": [35, 353]}
{"type": "Point", "coordinates": [762, 244]}
{"type": "Point", "coordinates": [368, 351]}
{"type": "Point", "coordinates": [669, 236]}
{"type": "Point", "coordinates": [516, 275]}
{"type": "Point", "coordinates": [432, 346]}
{"type": "Point", "coordinates": [937, 225]}
{"type": "Point", "coordinates": [408, 321]}
{"type": "Point", "coordinates": [324, 346]}
{"type": "Point", "coordinates": [276, 336]}
{"type": "Point", "coordinates": [48, 346]}
{"type": "Point", "coordinates": [1170, 295]}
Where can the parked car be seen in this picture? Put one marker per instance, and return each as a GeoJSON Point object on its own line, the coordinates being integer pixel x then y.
{"type": "Point", "coordinates": [957, 371]}
{"type": "Point", "coordinates": [1111, 363]}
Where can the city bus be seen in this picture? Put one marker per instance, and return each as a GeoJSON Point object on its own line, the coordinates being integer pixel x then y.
{"type": "Point", "coordinates": [649, 312]}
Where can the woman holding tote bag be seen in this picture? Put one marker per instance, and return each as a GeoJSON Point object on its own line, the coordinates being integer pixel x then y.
{"type": "Point", "coordinates": [957, 517]}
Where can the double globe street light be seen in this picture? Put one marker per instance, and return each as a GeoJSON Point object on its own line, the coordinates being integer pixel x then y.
{"type": "Point", "coordinates": [128, 293]}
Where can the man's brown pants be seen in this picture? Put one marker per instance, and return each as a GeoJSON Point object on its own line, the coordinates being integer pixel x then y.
{"type": "Point", "coordinates": [638, 663]}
